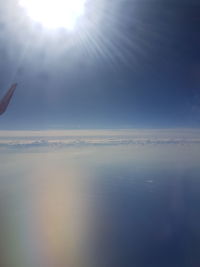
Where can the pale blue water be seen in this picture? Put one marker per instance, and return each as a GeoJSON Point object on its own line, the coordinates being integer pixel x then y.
{"type": "Point", "coordinates": [110, 206]}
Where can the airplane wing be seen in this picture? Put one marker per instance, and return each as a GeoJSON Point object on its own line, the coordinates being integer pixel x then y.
{"type": "Point", "coordinates": [6, 99]}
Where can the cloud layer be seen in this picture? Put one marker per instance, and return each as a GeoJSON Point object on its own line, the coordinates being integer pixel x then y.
{"type": "Point", "coordinates": [62, 139]}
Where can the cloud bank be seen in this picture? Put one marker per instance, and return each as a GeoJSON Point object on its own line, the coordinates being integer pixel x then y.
{"type": "Point", "coordinates": [63, 139]}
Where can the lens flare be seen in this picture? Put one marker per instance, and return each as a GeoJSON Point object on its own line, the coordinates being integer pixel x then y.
{"type": "Point", "coordinates": [55, 13]}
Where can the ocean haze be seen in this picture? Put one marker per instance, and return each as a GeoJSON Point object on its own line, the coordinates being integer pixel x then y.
{"type": "Point", "coordinates": [93, 198]}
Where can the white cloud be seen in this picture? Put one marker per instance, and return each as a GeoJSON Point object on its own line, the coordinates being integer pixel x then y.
{"type": "Point", "coordinates": [62, 139]}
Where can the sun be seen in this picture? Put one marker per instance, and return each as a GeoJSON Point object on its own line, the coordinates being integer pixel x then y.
{"type": "Point", "coordinates": [55, 13]}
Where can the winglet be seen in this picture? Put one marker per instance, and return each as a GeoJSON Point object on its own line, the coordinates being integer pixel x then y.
{"type": "Point", "coordinates": [6, 99]}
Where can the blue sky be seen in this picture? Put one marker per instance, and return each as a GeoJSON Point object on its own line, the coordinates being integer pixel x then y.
{"type": "Point", "coordinates": [132, 64]}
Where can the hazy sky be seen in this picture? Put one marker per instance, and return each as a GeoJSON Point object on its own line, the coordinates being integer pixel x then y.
{"type": "Point", "coordinates": [129, 63]}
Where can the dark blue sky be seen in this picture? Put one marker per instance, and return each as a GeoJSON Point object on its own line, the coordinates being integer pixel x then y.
{"type": "Point", "coordinates": [129, 63]}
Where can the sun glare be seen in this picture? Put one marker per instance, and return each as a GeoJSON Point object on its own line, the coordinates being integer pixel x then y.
{"type": "Point", "coordinates": [55, 13]}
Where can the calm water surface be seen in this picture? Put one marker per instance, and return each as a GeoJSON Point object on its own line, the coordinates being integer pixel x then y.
{"type": "Point", "coordinates": [125, 205]}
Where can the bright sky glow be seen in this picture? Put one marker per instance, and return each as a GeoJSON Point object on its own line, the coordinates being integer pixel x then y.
{"type": "Point", "coordinates": [55, 13]}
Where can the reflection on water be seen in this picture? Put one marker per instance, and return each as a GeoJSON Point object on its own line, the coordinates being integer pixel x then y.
{"type": "Point", "coordinates": [101, 206]}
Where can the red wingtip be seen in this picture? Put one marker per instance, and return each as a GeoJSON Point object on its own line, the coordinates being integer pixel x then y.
{"type": "Point", "coordinates": [6, 99]}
